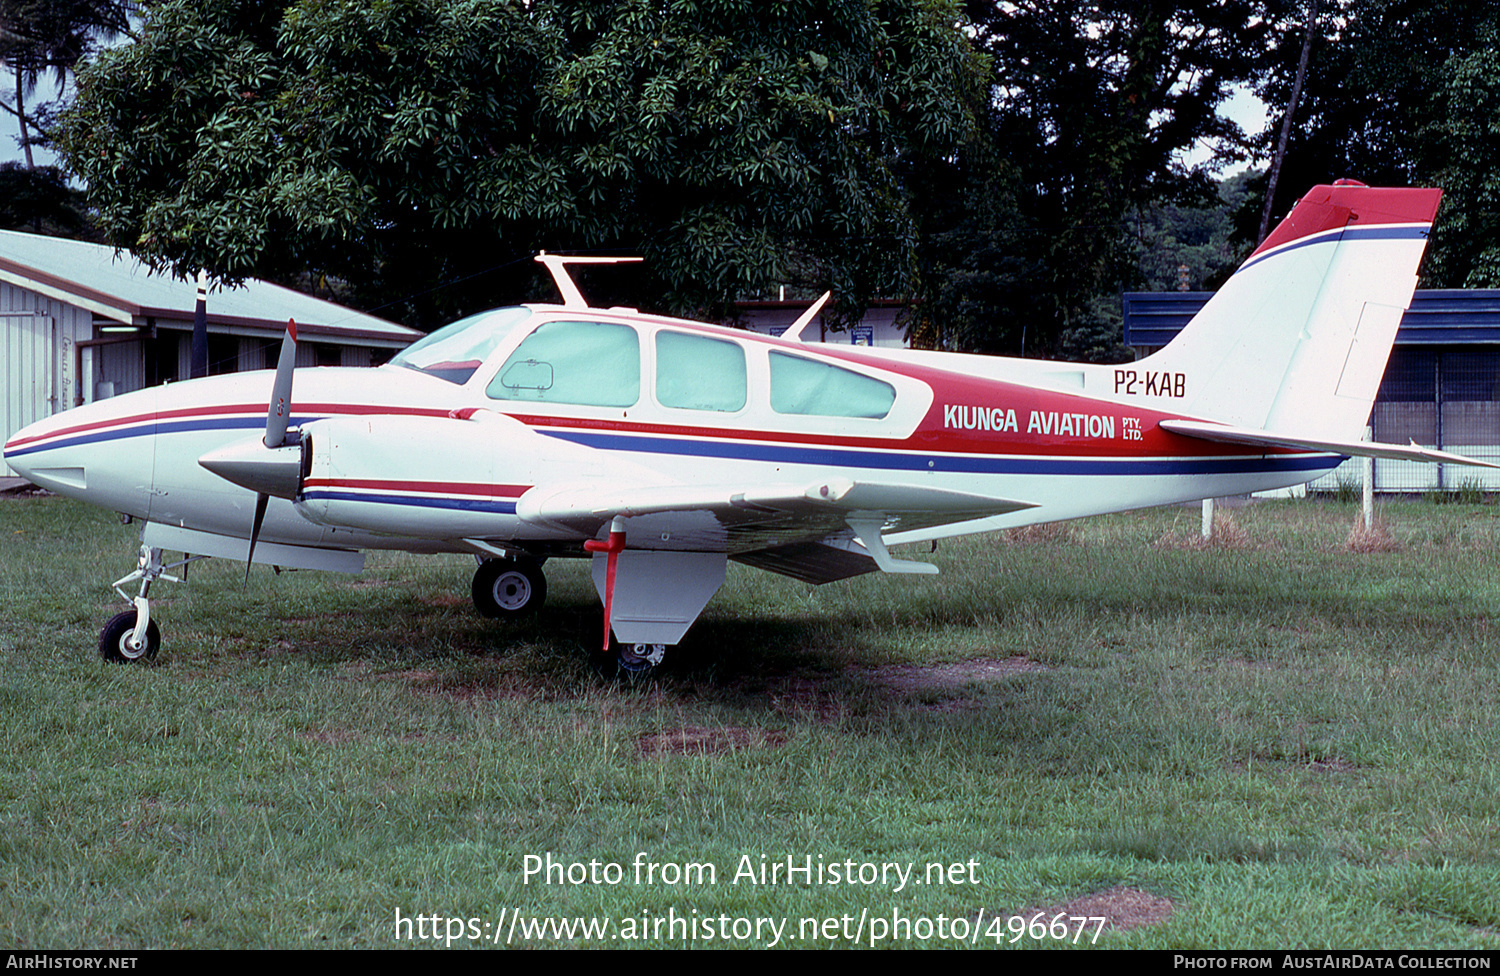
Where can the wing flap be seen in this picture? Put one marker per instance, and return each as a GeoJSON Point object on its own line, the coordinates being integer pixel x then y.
{"type": "Point", "coordinates": [812, 562]}
{"type": "Point", "coordinates": [739, 519]}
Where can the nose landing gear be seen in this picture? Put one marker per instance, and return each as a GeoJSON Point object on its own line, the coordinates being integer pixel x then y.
{"type": "Point", "coordinates": [119, 645]}
{"type": "Point", "coordinates": [132, 637]}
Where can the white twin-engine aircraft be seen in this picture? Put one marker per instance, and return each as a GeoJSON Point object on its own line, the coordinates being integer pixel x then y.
{"type": "Point", "coordinates": [663, 448]}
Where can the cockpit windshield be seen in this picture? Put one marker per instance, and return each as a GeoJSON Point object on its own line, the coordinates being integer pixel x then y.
{"type": "Point", "coordinates": [455, 351]}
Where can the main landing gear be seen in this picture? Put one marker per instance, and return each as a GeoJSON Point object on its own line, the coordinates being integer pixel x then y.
{"type": "Point", "coordinates": [513, 587]}
{"type": "Point", "coordinates": [638, 659]}
{"type": "Point", "coordinates": [627, 662]}
{"type": "Point", "coordinates": [508, 589]}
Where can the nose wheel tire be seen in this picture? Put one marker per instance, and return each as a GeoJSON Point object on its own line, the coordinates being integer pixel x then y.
{"type": "Point", "coordinates": [114, 640]}
{"type": "Point", "coordinates": [508, 588]}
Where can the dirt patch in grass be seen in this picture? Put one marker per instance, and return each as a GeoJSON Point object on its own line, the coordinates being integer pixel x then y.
{"type": "Point", "coordinates": [950, 677]}
{"type": "Point", "coordinates": [804, 697]}
{"type": "Point", "coordinates": [693, 740]}
{"type": "Point", "coordinates": [1326, 766]}
{"type": "Point", "coordinates": [463, 686]}
{"type": "Point", "coordinates": [1331, 765]}
{"type": "Point", "coordinates": [1122, 908]}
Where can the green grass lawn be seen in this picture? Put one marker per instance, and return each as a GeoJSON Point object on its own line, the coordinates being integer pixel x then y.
{"type": "Point", "coordinates": [1277, 742]}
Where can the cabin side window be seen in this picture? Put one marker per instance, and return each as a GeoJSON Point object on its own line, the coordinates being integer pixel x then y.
{"type": "Point", "coordinates": [806, 386]}
{"type": "Point", "coordinates": [696, 372]}
{"type": "Point", "coordinates": [596, 364]}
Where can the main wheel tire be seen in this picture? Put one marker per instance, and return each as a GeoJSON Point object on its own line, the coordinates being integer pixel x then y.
{"type": "Point", "coordinates": [628, 663]}
{"type": "Point", "coordinates": [506, 589]}
{"type": "Point", "coordinates": [114, 640]}
{"type": "Point", "coordinates": [640, 659]}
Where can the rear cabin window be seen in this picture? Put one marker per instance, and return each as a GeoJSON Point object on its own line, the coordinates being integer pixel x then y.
{"type": "Point", "coordinates": [596, 364]}
{"type": "Point", "coordinates": [696, 372]}
{"type": "Point", "coordinates": [805, 386]}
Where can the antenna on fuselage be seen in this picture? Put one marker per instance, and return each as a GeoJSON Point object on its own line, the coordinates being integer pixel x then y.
{"type": "Point", "coordinates": [557, 264]}
{"type": "Point", "coordinates": [795, 330]}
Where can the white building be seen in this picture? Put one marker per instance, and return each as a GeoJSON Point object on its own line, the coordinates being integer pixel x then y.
{"type": "Point", "coordinates": [881, 325]}
{"type": "Point", "coordinates": [82, 321]}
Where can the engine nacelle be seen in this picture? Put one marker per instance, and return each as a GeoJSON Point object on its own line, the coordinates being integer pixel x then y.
{"type": "Point", "coordinates": [454, 477]}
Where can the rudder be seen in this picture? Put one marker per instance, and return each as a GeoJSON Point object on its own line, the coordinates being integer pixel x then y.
{"type": "Point", "coordinates": [1298, 338]}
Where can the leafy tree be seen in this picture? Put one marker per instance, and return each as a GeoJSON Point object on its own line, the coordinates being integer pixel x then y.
{"type": "Point", "coordinates": [50, 37]}
{"type": "Point", "coordinates": [1091, 105]}
{"type": "Point", "coordinates": [1289, 111]}
{"type": "Point", "coordinates": [1401, 92]}
{"type": "Point", "coordinates": [1193, 248]}
{"type": "Point", "coordinates": [40, 201]}
{"type": "Point", "coordinates": [1466, 246]}
{"type": "Point", "coordinates": [412, 145]}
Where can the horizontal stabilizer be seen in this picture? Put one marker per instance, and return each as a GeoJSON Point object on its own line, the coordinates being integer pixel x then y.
{"type": "Point", "coordinates": [1266, 438]}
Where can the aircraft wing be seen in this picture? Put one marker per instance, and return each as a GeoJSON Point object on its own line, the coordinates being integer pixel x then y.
{"type": "Point", "coordinates": [783, 527]}
{"type": "Point", "coordinates": [1266, 438]}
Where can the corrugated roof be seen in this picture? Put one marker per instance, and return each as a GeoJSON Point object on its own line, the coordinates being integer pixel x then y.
{"type": "Point", "coordinates": [116, 285]}
{"type": "Point", "coordinates": [1437, 316]}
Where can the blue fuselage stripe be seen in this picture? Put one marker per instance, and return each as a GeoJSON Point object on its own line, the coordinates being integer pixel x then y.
{"type": "Point", "coordinates": [149, 428]}
{"type": "Point", "coordinates": [895, 460]}
{"type": "Point", "coordinates": [423, 501]}
{"type": "Point", "coordinates": [941, 462]}
{"type": "Point", "coordinates": [1355, 233]}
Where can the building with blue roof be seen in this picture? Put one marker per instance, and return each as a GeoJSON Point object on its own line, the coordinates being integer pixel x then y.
{"type": "Point", "coordinates": [1441, 386]}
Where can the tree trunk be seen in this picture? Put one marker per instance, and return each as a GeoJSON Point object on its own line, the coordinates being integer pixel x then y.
{"type": "Point", "coordinates": [1286, 122]}
{"type": "Point", "coordinates": [21, 117]}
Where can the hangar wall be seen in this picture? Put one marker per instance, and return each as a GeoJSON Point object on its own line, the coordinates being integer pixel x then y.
{"type": "Point", "coordinates": [1441, 386]}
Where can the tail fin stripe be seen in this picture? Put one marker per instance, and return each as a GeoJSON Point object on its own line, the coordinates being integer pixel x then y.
{"type": "Point", "coordinates": [1379, 232]}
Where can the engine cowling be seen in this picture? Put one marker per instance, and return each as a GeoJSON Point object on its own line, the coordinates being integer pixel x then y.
{"type": "Point", "coordinates": [430, 477]}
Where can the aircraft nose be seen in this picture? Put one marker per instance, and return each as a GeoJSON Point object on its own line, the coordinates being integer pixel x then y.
{"type": "Point", "coordinates": [29, 454]}
{"type": "Point", "coordinates": [100, 453]}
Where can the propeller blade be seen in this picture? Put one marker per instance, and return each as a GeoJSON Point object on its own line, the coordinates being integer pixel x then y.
{"type": "Point", "coordinates": [261, 498]}
{"type": "Point", "coordinates": [278, 415]}
{"type": "Point", "coordinates": [280, 411]}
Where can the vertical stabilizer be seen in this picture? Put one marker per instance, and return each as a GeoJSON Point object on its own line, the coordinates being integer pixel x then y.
{"type": "Point", "coordinates": [1297, 339]}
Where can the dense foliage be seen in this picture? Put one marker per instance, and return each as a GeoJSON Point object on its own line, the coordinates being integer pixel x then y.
{"type": "Point", "coordinates": [407, 144]}
{"type": "Point", "coordinates": [1007, 168]}
{"type": "Point", "coordinates": [1405, 92]}
{"type": "Point", "coordinates": [1090, 107]}
{"type": "Point", "coordinates": [39, 200]}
